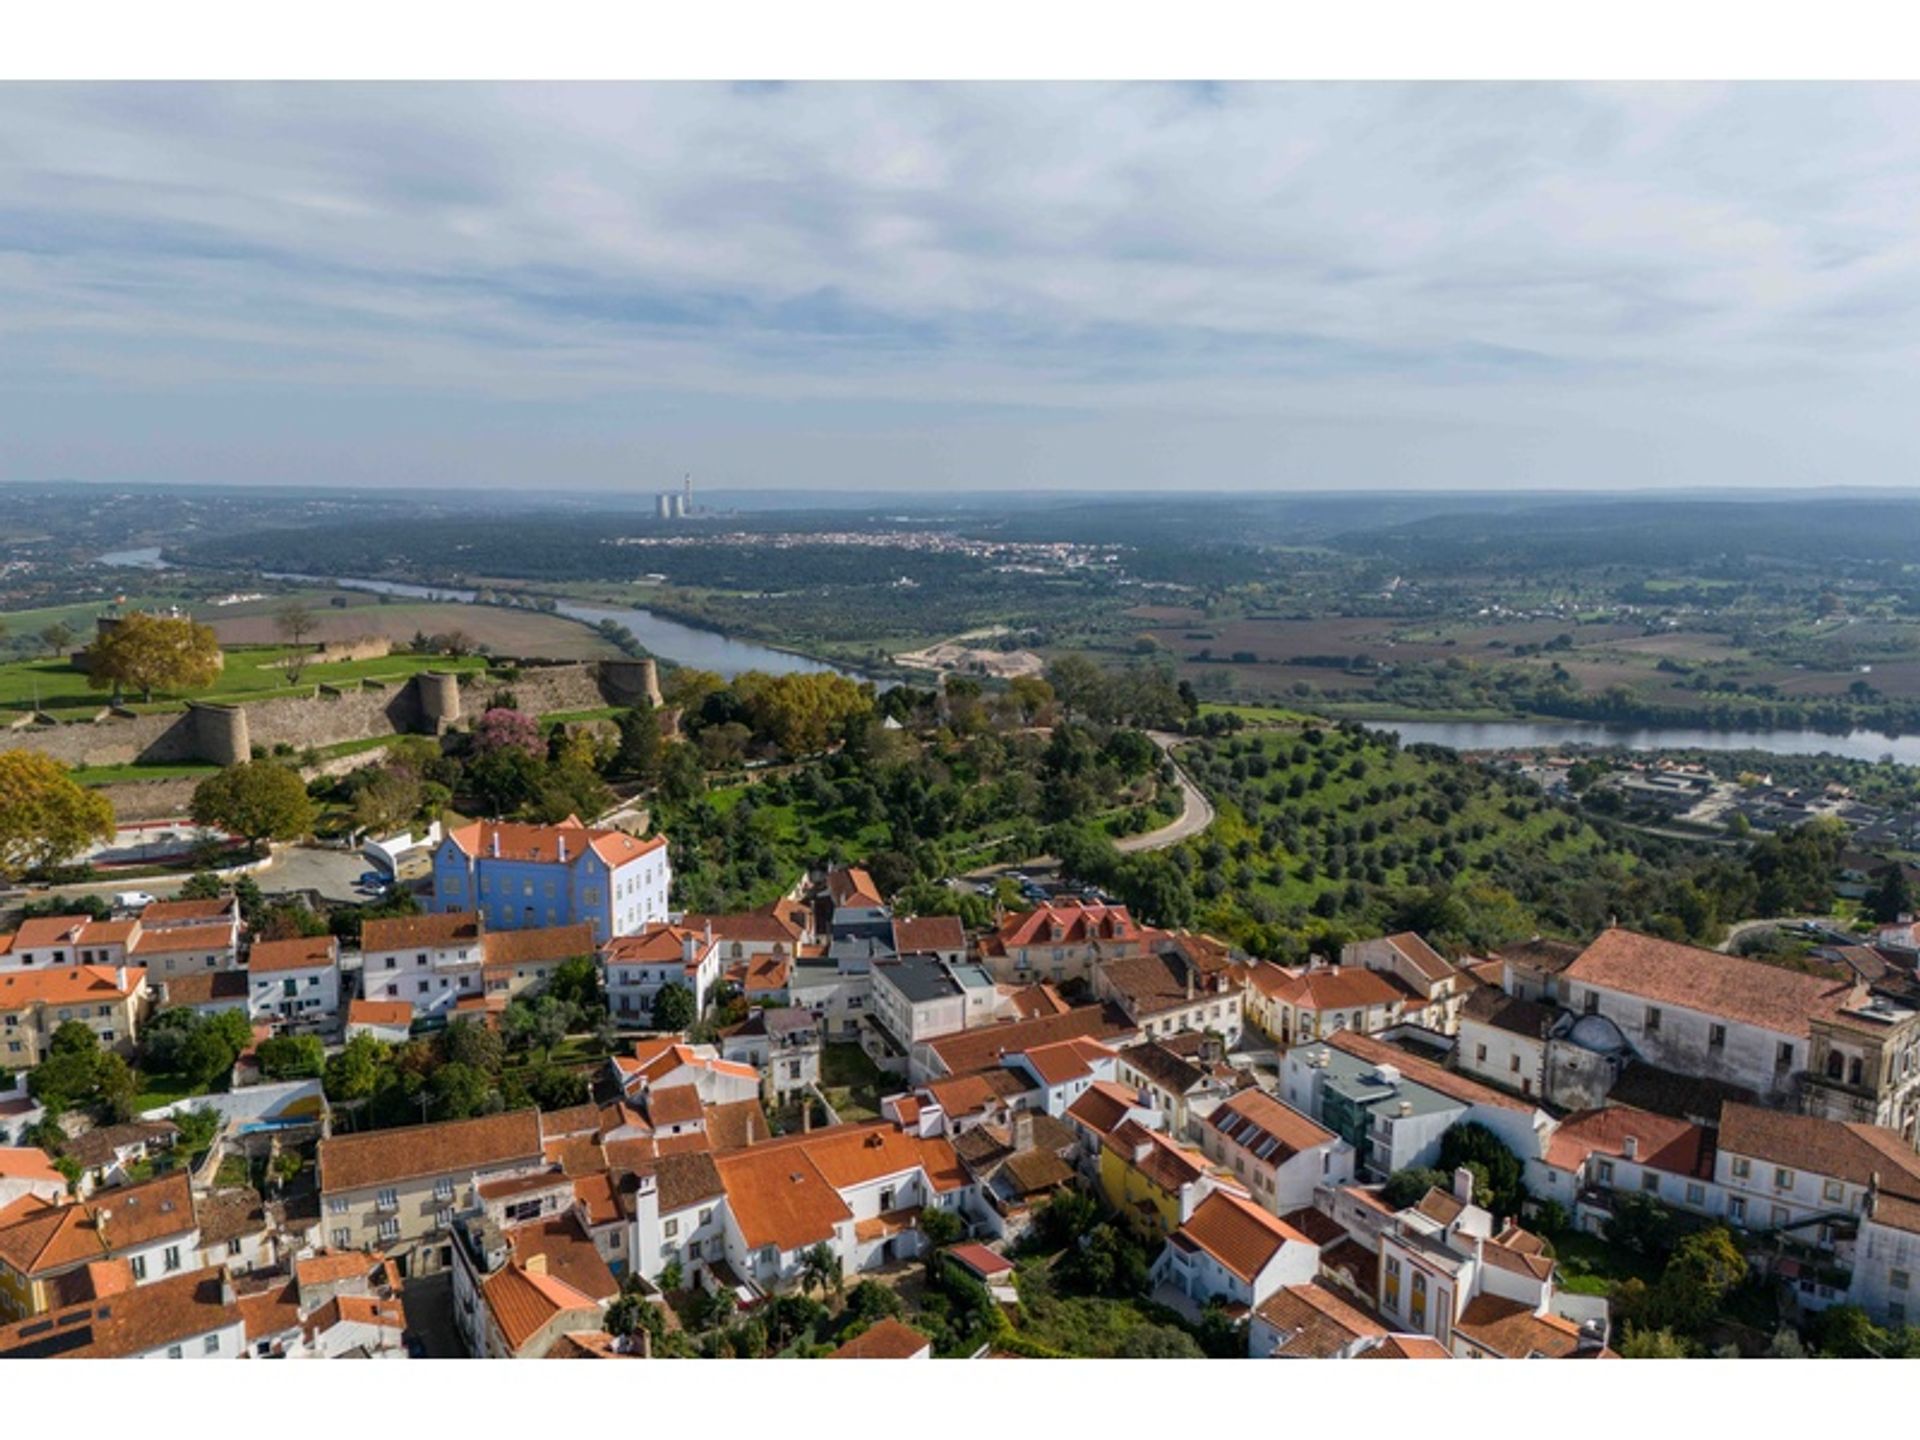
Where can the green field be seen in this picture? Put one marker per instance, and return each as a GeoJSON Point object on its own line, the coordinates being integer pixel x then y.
{"type": "Point", "coordinates": [1320, 831]}
{"type": "Point", "coordinates": [250, 673]}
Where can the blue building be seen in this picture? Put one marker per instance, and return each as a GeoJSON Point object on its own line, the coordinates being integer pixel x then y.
{"type": "Point", "coordinates": [523, 877]}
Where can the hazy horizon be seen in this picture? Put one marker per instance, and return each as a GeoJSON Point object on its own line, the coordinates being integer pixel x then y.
{"type": "Point", "coordinates": [935, 290]}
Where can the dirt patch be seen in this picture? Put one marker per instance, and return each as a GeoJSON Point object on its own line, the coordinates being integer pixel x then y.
{"type": "Point", "coordinates": [504, 632]}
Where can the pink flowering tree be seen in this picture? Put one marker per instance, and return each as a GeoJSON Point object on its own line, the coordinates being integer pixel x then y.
{"type": "Point", "coordinates": [501, 729]}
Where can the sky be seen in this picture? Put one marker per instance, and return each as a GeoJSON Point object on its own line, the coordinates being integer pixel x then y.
{"type": "Point", "coordinates": [939, 288]}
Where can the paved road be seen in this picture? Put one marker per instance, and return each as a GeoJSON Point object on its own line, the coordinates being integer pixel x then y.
{"type": "Point", "coordinates": [1830, 934]}
{"type": "Point", "coordinates": [1196, 811]}
{"type": "Point", "coordinates": [294, 867]}
{"type": "Point", "coordinates": [1196, 814]}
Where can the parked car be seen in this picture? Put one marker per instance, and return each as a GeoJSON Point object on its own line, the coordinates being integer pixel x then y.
{"type": "Point", "coordinates": [132, 900]}
{"type": "Point", "coordinates": [373, 877]}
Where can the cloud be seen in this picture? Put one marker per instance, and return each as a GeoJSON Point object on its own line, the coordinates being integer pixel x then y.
{"type": "Point", "coordinates": [1562, 280]}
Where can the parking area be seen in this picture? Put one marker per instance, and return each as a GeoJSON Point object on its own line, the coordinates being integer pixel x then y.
{"type": "Point", "coordinates": [330, 873]}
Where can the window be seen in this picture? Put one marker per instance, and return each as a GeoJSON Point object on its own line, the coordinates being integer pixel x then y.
{"type": "Point", "coordinates": [670, 1228]}
{"type": "Point", "coordinates": [1480, 1053]}
{"type": "Point", "coordinates": [443, 1217]}
{"type": "Point", "coordinates": [1737, 1210]}
{"type": "Point", "coordinates": [1742, 1167]}
{"type": "Point", "coordinates": [138, 1265]}
{"type": "Point", "coordinates": [388, 1200]}
{"type": "Point", "coordinates": [174, 1352]}
{"type": "Point", "coordinates": [1650, 1182]}
{"type": "Point", "coordinates": [172, 1257]}
{"type": "Point", "coordinates": [1591, 1003]}
{"type": "Point", "coordinates": [1716, 1037]}
{"type": "Point", "coordinates": [1696, 1194]}
{"type": "Point", "coordinates": [1783, 1057]}
{"type": "Point", "coordinates": [1653, 1019]}
{"type": "Point", "coordinates": [1832, 1190]}
{"type": "Point", "coordinates": [1782, 1178]}
{"type": "Point", "coordinates": [706, 1215]}
{"type": "Point", "coordinates": [342, 1239]}
{"type": "Point", "coordinates": [389, 1229]}
{"type": "Point", "coordinates": [1513, 1064]}
{"type": "Point", "coordinates": [233, 1246]}
{"type": "Point", "coordinates": [1899, 1280]}
{"type": "Point", "coordinates": [1780, 1215]}
{"type": "Point", "coordinates": [211, 1345]}
{"type": "Point", "coordinates": [1603, 1171]}
{"type": "Point", "coordinates": [443, 1188]}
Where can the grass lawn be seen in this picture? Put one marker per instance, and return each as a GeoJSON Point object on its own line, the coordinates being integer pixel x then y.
{"type": "Point", "coordinates": [1084, 1326]}
{"type": "Point", "coordinates": [850, 1081]}
{"type": "Point", "coordinates": [250, 673]}
{"type": "Point", "coordinates": [158, 1090]}
{"type": "Point", "coordinates": [122, 774]}
{"type": "Point", "coordinates": [1590, 1266]}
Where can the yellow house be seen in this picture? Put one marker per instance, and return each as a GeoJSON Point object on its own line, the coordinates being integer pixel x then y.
{"type": "Point", "coordinates": [1153, 1181]}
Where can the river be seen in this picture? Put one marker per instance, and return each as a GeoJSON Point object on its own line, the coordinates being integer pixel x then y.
{"type": "Point", "coordinates": [1535, 734]}
{"type": "Point", "coordinates": [669, 639]}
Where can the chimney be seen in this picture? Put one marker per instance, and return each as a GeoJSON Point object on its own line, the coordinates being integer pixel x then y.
{"type": "Point", "coordinates": [495, 844]}
{"type": "Point", "coordinates": [560, 845]}
{"type": "Point", "coordinates": [1022, 1131]}
{"type": "Point", "coordinates": [1463, 1185]}
{"type": "Point", "coordinates": [1189, 970]}
{"type": "Point", "coordinates": [535, 1264]}
{"type": "Point", "coordinates": [1632, 1147]}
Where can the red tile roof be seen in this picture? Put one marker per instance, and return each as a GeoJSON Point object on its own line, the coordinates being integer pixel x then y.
{"type": "Point", "coordinates": [543, 843]}
{"type": "Point", "coordinates": [300, 953]}
{"type": "Point", "coordinates": [1238, 1233]}
{"type": "Point", "coordinates": [386, 1014]}
{"type": "Point", "coordinates": [885, 1339]}
{"type": "Point", "coordinates": [1423, 1072]}
{"type": "Point", "coordinates": [1274, 1132]}
{"type": "Point", "coordinates": [1331, 987]}
{"type": "Point", "coordinates": [976, 1049]}
{"type": "Point", "coordinates": [1660, 1141]}
{"type": "Point", "coordinates": [451, 1147]}
{"type": "Point", "coordinates": [1080, 924]}
{"type": "Point", "coordinates": [853, 886]}
{"type": "Point", "coordinates": [421, 932]}
{"type": "Point", "coordinates": [1708, 982]}
{"type": "Point", "coordinates": [182, 939]}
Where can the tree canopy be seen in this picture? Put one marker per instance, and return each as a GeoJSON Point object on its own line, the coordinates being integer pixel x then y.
{"type": "Point", "coordinates": [45, 816]}
{"type": "Point", "coordinates": [153, 652]}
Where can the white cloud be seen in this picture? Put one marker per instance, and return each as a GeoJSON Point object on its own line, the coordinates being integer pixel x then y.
{"type": "Point", "coordinates": [1608, 272]}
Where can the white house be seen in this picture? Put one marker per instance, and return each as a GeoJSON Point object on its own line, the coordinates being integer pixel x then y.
{"type": "Point", "coordinates": [1279, 1154]}
{"type": "Point", "coordinates": [638, 967]}
{"type": "Point", "coordinates": [295, 982]}
{"type": "Point", "coordinates": [430, 961]}
{"type": "Point", "coordinates": [1231, 1250]}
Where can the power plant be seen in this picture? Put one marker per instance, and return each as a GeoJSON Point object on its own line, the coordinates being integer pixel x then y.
{"type": "Point", "coordinates": [669, 506]}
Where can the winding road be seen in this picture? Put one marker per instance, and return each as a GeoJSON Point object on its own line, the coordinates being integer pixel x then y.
{"type": "Point", "coordinates": [1196, 814]}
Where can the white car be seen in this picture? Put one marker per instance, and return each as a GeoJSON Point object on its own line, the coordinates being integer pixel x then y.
{"type": "Point", "coordinates": [132, 900]}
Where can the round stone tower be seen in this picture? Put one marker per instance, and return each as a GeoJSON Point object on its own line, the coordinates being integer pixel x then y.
{"type": "Point", "coordinates": [220, 733]}
{"type": "Point", "coordinates": [631, 682]}
{"type": "Point", "coordinates": [439, 695]}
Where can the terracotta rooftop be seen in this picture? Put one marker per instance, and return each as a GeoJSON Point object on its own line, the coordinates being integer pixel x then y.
{"type": "Point", "coordinates": [451, 1147]}
{"type": "Point", "coordinates": [853, 886]}
{"type": "Point", "coordinates": [1103, 1105]}
{"type": "Point", "coordinates": [504, 949]}
{"type": "Point", "coordinates": [421, 932]}
{"type": "Point", "coordinates": [1501, 1011]}
{"type": "Point", "coordinates": [1429, 962]}
{"type": "Point", "coordinates": [1510, 1328]}
{"type": "Point", "coordinates": [1272, 1131]}
{"type": "Point", "coordinates": [1842, 1150]}
{"type": "Point", "coordinates": [307, 952]}
{"type": "Point", "coordinates": [110, 1222]}
{"type": "Point", "coordinates": [67, 985]}
{"type": "Point", "coordinates": [885, 1339]}
{"type": "Point", "coordinates": [1708, 982]}
{"type": "Point", "coordinates": [749, 927]}
{"type": "Point", "coordinates": [1659, 1141]}
{"type": "Point", "coordinates": [1238, 1233]}
{"type": "Point", "coordinates": [1066, 1060]}
{"type": "Point", "coordinates": [186, 912]}
{"type": "Point", "coordinates": [133, 1322]}
{"type": "Point", "coordinates": [181, 940]}
{"type": "Point", "coordinates": [1326, 987]}
{"type": "Point", "coordinates": [544, 844]}
{"type": "Point", "coordinates": [928, 932]}
{"type": "Point", "coordinates": [385, 1014]}
{"type": "Point", "coordinates": [1314, 1323]}
{"type": "Point", "coordinates": [976, 1049]}
{"type": "Point", "coordinates": [1077, 922]}
{"type": "Point", "coordinates": [568, 1252]}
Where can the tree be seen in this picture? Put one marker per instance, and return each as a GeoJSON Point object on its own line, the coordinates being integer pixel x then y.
{"type": "Point", "coordinates": [295, 620]}
{"type": "Point", "coordinates": [153, 652]}
{"type": "Point", "coordinates": [1405, 1187]}
{"type": "Point", "coordinates": [45, 817]}
{"type": "Point", "coordinates": [58, 637]}
{"type": "Point", "coordinates": [285, 1168]}
{"type": "Point", "coordinates": [941, 1227]}
{"type": "Point", "coordinates": [820, 1269]}
{"type": "Point", "coordinates": [1703, 1269]}
{"type": "Point", "coordinates": [285, 1057]}
{"type": "Point", "coordinates": [1660, 1344]}
{"type": "Point", "coordinates": [1472, 1143]}
{"type": "Point", "coordinates": [467, 1042]}
{"type": "Point", "coordinates": [870, 1300]}
{"type": "Point", "coordinates": [682, 779]}
{"type": "Point", "coordinates": [197, 1129]}
{"type": "Point", "coordinates": [1892, 895]}
{"type": "Point", "coordinates": [1159, 1342]}
{"type": "Point", "coordinates": [256, 800]}
{"type": "Point", "coordinates": [68, 1074]}
{"type": "Point", "coordinates": [354, 1074]}
{"type": "Point", "coordinates": [673, 1007]}
{"type": "Point", "coordinates": [1640, 1223]}
{"type": "Point", "coordinates": [503, 729]}
{"type": "Point", "coordinates": [388, 798]}
{"type": "Point", "coordinates": [640, 745]}
{"type": "Point", "coordinates": [460, 1091]}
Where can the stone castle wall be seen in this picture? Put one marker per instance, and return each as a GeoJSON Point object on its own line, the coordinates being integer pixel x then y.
{"type": "Point", "coordinates": [424, 704]}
